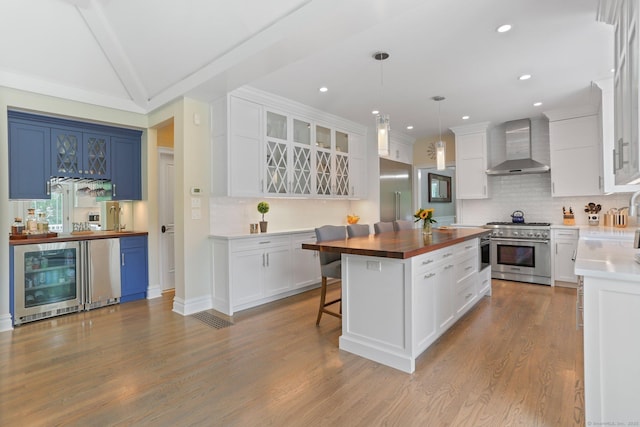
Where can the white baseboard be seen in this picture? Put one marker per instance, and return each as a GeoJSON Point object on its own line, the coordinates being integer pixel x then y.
{"type": "Point", "coordinates": [191, 306]}
{"type": "Point", "coordinates": [5, 323]}
{"type": "Point", "coordinates": [154, 292]}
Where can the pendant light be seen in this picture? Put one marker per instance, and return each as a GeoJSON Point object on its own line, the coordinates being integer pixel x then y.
{"type": "Point", "coordinates": [440, 145]}
{"type": "Point", "coordinates": [382, 120]}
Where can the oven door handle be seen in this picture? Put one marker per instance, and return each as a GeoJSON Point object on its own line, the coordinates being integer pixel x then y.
{"type": "Point", "coordinates": [546, 242]}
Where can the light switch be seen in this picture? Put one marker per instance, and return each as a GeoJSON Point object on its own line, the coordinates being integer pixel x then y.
{"type": "Point", "coordinates": [195, 202]}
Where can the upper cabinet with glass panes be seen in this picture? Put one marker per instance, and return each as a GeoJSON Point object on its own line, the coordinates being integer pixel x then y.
{"type": "Point", "coordinates": [294, 150]}
{"type": "Point", "coordinates": [79, 154]}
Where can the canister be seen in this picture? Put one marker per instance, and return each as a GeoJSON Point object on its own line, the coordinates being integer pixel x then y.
{"type": "Point", "coordinates": [620, 220]}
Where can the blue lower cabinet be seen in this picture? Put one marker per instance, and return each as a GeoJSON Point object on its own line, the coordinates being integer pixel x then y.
{"type": "Point", "coordinates": [134, 273]}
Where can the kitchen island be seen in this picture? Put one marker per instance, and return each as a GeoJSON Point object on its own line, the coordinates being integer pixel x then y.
{"type": "Point", "coordinates": [611, 280]}
{"type": "Point", "coordinates": [402, 290]}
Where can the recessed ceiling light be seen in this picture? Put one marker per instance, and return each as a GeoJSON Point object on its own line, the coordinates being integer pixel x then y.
{"type": "Point", "coordinates": [613, 70]}
{"type": "Point", "coordinates": [537, 104]}
{"type": "Point", "coordinates": [503, 28]}
{"type": "Point", "coordinates": [465, 117]}
{"type": "Point", "coordinates": [409, 127]}
{"type": "Point", "coordinates": [525, 77]}
{"type": "Point", "coordinates": [323, 89]}
{"type": "Point", "coordinates": [375, 112]}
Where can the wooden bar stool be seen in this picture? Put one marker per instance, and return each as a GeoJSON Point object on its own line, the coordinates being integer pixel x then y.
{"type": "Point", "coordinates": [330, 267]}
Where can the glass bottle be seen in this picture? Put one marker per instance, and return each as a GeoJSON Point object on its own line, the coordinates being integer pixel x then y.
{"type": "Point", "coordinates": [17, 227]}
{"type": "Point", "coordinates": [42, 224]}
{"type": "Point", "coordinates": [32, 224]}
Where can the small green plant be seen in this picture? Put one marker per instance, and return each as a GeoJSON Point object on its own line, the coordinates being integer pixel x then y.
{"type": "Point", "coordinates": [263, 208]}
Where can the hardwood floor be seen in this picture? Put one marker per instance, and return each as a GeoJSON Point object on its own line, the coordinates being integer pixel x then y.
{"type": "Point", "coordinates": [515, 359]}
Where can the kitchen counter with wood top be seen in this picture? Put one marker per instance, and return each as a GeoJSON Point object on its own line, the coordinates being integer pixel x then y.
{"type": "Point", "coordinates": [70, 237]}
{"type": "Point", "coordinates": [401, 291]}
{"type": "Point", "coordinates": [400, 244]}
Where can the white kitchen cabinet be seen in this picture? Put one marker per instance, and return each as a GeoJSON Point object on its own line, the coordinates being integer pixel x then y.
{"type": "Point", "coordinates": [264, 145]}
{"type": "Point", "coordinates": [400, 148]}
{"type": "Point", "coordinates": [565, 244]}
{"type": "Point", "coordinates": [484, 282]}
{"type": "Point", "coordinates": [250, 270]}
{"type": "Point", "coordinates": [426, 324]}
{"type": "Point", "coordinates": [471, 161]}
{"type": "Point", "coordinates": [358, 167]}
{"type": "Point", "coordinates": [237, 148]}
{"type": "Point", "coordinates": [611, 351]}
{"type": "Point", "coordinates": [445, 310]}
{"type": "Point", "coordinates": [305, 264]}
{"type": "Point", "coordinates": [575, 139]}
{"type": "Point", "coordinates": [626, 151]}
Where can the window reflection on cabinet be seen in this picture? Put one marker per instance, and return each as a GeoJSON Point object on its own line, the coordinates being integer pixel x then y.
{"type": "Point", "coordinates": [323, 137]}
{"type": "Point", "coordinates": [342, 142]}
{"type": "Point", "coordinates": [276, 125]}
{"type": "Point", "coordinates": [301, 132]}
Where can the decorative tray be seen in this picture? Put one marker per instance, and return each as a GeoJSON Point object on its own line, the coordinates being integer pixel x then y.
{"type": "Point", "coordinates": [32, 236]}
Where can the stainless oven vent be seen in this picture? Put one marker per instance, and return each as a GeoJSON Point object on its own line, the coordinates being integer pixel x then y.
{"type": "Point", "coordinates": [519, 161]}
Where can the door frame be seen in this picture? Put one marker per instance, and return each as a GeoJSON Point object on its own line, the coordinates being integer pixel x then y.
{"type": "Point", "coordinates": [162, 152]}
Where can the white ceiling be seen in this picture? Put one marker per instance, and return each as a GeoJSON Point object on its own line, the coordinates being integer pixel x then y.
{"type": "Point", "coordinates": [137, 55]}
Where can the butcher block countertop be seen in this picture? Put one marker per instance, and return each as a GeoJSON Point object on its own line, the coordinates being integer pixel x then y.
{"type": "Point", "coordinates": [68, 237]}
{"type": "Point", "coordinates": [399, 244]}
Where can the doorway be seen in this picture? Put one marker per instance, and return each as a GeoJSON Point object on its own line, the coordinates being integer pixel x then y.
{"type": "Point", "coordinates": [166, 218]}
{"type": "Point", "coordinates": [444, 211]}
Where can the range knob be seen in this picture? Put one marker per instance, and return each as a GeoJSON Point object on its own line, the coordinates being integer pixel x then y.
{"type": "Point", "coordinates": [530, 234]}
{"type": "Point", "coordinates": [545, 235]}
{"type": "Point", "coordinates": [538, 234]}
{"type": "Point", "coordinates": [515, 233]}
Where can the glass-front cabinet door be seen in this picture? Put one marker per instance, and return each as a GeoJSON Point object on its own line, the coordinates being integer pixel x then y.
{"type": "Point", "coordinates": [79, 155]}
{"type": "Point", "coordinates": [342, 164]}
{"type": "Point", "coordinates": [67, 153]}
{"type": "Point", "coordinates": [277, 180]}
{"type": "Point", "coordinates": [301, 161]}
{"type": "Point", "coordinates": [96, 156]}
{"type": "Point", "coordinates": [323, 161]}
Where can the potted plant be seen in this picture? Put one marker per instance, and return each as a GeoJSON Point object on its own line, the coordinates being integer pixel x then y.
{"type": "Point", "coordinates": [263, 208]}
{"type": "Point", "coordinates": [426, 216]}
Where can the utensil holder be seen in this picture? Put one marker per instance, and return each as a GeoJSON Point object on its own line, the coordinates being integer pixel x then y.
{"type": "Point", "coordinates": [620, 220]}
{"type": "Point", "coordinates": [594, 219]}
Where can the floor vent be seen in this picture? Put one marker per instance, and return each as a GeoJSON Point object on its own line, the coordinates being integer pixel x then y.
{"type": "Point", "coordinates": [211, 319]}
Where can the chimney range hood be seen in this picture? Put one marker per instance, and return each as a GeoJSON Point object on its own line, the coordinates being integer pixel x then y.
{"type": "Point", "coordinates": [519, 161]}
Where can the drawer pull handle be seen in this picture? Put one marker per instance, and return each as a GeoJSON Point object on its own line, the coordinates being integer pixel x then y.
{"type": "Point", "coordinates": [448, 266]}
{"type": "Point", "coordinates": [468, 295]}
{"type": "Point", "coordinates": [430, 275]}
{"type": "Point", "coordinates": [469, 267]}
{"type": "Point", "coordinates": [429, 261]}
{"type": "Point", "coordinates": [264, 243]}
{"type": "Point", "coordinates": [447, 255]}
{"type": "Point", "coordinates": [468, 247]}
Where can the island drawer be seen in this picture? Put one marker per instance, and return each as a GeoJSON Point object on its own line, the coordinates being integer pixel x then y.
{"type": "Point", "coordinates": [429, 260]}
{"type": "Point", "coordinates": [466, 267]}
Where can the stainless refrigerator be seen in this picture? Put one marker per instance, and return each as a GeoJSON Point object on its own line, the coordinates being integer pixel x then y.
{"type": "Point", "coordinates": [395, 191]}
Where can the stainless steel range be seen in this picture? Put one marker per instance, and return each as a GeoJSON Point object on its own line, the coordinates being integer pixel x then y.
{"type": "Point", "coordinates": [521, 251]}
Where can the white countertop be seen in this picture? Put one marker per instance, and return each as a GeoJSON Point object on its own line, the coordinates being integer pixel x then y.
{"type": "Point", "coordinates": [607, 253]}
{"type": "Point", "coordinates": [232, 236]}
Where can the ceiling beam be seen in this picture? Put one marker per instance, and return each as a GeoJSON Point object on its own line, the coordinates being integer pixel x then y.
{"type": "Point", "coordinates": [93, 15]}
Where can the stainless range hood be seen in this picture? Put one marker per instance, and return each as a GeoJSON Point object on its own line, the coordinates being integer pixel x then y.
{"type": "Point", "coordinates": [519, 161]}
